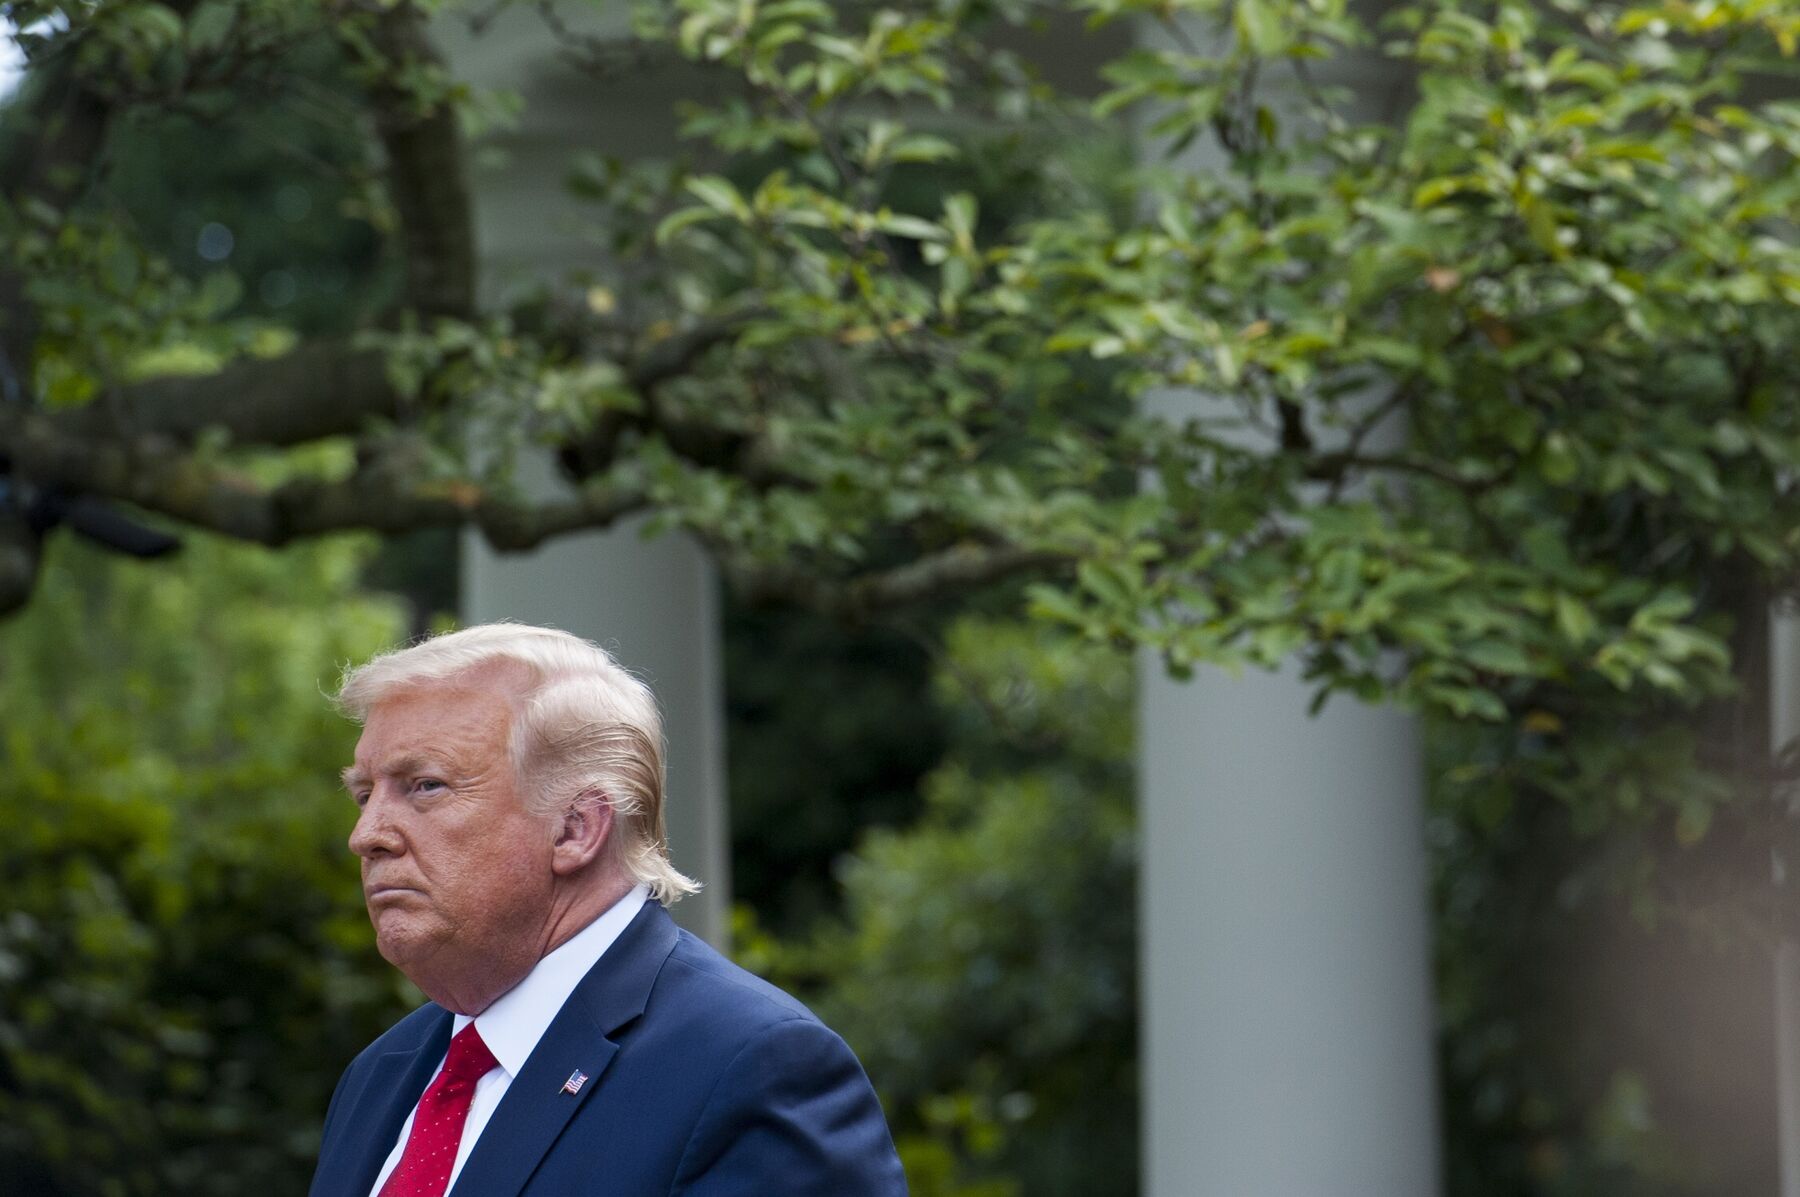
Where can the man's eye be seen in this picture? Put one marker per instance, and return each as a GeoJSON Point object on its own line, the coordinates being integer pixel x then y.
{"type": "Point", "coordinates": [428, 784]}
{"type": "Point", "coordinates": [361, 798]}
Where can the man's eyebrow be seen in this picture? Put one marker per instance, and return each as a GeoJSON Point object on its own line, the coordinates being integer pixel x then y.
{"type": "Point", "coordinates": [354, 775]}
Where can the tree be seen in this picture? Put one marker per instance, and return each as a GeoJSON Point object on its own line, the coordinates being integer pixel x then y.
{"type": "Point", "coordinates": [180, 998]}
{"type": "Point", "coordinates": [1499, 414]}
{"type": "Point", "coordinates": [1565, 269]}
{"type": "Point", "coordinates": [984, 965]}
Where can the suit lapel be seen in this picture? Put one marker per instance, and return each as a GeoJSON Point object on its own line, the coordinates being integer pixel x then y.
{"type": "Point", "coordinates": [395, 1081]}
{"type": "Point", "coordinates": [537, 1107]}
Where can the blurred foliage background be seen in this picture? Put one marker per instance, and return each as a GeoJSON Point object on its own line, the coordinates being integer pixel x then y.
{"type": "Point", "coordinates": [983, 962]}
{"type": "Point", "coordinates": [1570, 259]}
{"type": "Point", "coordinates": [183, 958]}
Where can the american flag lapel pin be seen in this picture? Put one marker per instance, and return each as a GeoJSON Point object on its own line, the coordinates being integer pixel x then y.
{"type": "Point", "coordinates": [576, 1080]}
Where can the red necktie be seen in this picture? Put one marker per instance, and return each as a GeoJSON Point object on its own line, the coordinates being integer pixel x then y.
{"type": "Point", "coordinates": [424, 1167]}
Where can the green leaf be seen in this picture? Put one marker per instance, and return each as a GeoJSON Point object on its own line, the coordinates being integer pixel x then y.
{"type": "Point", "coordinates": [673, 224]}
{"type": "Point", "coordinates": [1434, 191]}
{"type": "Point", "coordinates": [1111, 582]}
{"type": "Point", "coordinates": [1259, 25]}
{"type": "Point", "coordinates": [922, 147]}
{"type": "Point", "coordinates": [910, 226]}
{"type": "Point", "coordinates": [1574, 619]}
{"type": "Point", "coordinates": [1557, 460]}
{"type": "Point", "coordinates": [1540, 219]}
{"type": "Point", "coordinates": [959, 215]}
{"type": "Point", "coordinates": [1497, 656]}
{"type": "Point", "coordinates": [718, 194]}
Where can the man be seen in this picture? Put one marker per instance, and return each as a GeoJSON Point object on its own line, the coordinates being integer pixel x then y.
{"type": "Point", "coordinates": [509, 783]}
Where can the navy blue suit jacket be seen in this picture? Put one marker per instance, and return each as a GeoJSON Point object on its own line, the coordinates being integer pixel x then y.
{"type": "Point", "coordinates": [703, 1082]}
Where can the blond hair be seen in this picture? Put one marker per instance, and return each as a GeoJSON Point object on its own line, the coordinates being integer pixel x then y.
{"type": "Point", "coordinates": [584, 730]}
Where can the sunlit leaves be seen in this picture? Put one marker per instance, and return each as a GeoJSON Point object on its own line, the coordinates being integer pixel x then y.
{"type": "Point", "coordinates": [1445, 402]}
{"type": "Point", "coordinates": [110, 312]}
{"type": "Point", "coordinates": [1541, 276]}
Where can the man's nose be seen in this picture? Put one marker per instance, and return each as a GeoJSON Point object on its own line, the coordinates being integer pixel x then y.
{"type": "Point", "coordinates": [375, 833]}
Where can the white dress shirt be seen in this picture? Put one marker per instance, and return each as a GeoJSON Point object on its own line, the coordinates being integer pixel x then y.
{"type": "Point", "coordinates": [512, 1026]}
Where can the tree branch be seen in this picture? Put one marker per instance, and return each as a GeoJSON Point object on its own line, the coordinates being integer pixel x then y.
{"type": "Point", "coordinates": [697, 441]}
{"type": "Point", "coordinates": [1333, 466]}
{"type": "Point", "coordinates": [333, 388]}
{"type": "Point", "coordinates": [425, 171]}
{"type": "Point", "coordinates": [323, 388]}
{"type": "Point", "coordinates": [676, 355]}
{"type": "Point", "coordinates": [959, 568]}
{"type": "Point", "coordinates": [381, 496]}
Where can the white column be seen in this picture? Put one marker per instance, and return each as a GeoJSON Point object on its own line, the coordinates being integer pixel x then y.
{"type": "Point", "coordinates": [1287, 1021]}
{"type": "Point", "coordinates": [653, 604]}
{"type": "Point", "coordinates": [1287, 1035]}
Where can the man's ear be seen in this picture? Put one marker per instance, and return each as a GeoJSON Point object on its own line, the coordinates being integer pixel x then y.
{"type": "Point", "coordinates": [585, 828]}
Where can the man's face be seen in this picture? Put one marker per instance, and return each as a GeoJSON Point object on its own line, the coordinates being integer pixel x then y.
{"type": "Point", "coordinates": [456, 873]}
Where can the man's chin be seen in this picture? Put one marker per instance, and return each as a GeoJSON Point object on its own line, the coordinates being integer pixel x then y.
{"type": "Point", "coordinates": [399, 940]}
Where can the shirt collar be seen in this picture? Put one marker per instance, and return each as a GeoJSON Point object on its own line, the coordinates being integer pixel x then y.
{"type": "Point", "coordinates": [512, 1026]}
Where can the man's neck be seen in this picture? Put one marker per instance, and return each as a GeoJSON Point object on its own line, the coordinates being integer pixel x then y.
{"type": "Point", "coordinates": [583, 908]}
{"type": "Point", "coordinates": [569, 912]}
